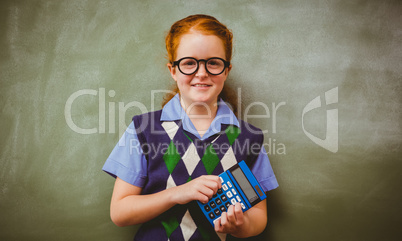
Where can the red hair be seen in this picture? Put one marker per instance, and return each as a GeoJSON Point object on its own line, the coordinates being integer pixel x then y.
{"type": "Point", "coordinates": [207, 25]}
{"type": "Point", "coordinates": [203, 24]}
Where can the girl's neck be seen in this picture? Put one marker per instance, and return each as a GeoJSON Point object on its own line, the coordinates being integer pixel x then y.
{"type": "Point", "coordinates": [201, 114]}
{"type": "Point", "coordinates": [200, 109]}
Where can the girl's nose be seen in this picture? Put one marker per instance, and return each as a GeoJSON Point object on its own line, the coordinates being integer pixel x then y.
{"type": "Point", "coordinates": [202, 71]}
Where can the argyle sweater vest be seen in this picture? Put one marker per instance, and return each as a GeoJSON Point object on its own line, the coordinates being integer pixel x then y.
{"type": "Point", "coordinates": [175, 157]}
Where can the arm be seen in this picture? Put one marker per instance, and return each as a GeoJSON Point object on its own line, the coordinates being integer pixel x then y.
{"type": "Point", "coordinates": [129, 207]}
{"type": "Point", "coordinates": [242, 225]}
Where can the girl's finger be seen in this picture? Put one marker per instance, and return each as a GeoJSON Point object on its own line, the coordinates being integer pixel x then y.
{"type": "Point", "coordinates": [238, 214]}
{"type": "Point", "coordinates": [223, 219]}
{"type": "Point", "coordinates": [230, 214]}
{"type": "Point", "coordinates": [218, 225]}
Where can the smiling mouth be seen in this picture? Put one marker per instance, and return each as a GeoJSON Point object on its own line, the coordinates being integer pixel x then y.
{"type": "Point", "coordinates": [201, 85]}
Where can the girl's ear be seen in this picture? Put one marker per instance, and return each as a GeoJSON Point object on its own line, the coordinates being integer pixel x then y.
{"type": "Point", "coordinates": [228, 70]}
{"type": "Point", "coordinates": [172, 70]}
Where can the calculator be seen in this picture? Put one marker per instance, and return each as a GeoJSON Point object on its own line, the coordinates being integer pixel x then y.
{"type": "Point", "coordinates": [238, 186]}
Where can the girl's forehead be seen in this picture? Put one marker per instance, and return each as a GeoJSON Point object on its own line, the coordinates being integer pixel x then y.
{"type": "Point", "coordinates": [198, 36]}
{"type": "Point", "coordinates": [200, 44]}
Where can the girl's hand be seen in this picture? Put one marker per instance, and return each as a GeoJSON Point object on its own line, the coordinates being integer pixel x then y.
{"type": "Point", "coordinates": [201, 189]}
{"type": "Point", "coordinates": [233, 221]}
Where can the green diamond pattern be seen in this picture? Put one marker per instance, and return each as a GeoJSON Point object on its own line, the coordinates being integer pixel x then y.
{"type": "Point", "coordinates": [232, 132]}
{"type": "Point", "coordinates": [171, 157]}
{"type": "Point", "coordinates": [210, 159]}
{"type": "Point", "coordinates": [170, 225]}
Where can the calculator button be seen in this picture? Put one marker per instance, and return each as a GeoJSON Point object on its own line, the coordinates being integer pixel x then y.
{"type": "Point", "coordinates": [222, 208]}
{"type": "Point", "coordinates": [227, 205]}
{"type": "Point", "coordinates": [221, 179]}
{"type": "Point", "coordinates": [234, 191]}
{"type": "Point", "coordinates": [229, 184]}
{"type": "Point", "coordinates": [218, 201]}
{"type": "Point", "coordinates": [238, 198]}
{"type": "Point", "coordinates": [233, 201]}
{"type": "Point", "coordinates": [207, 208]}
{"type": "Point", "coordinates": [213, 205]}
{"type": "Point", "coordinates": [220, 191]}
{"type": "Point", "coordinates": [224, 187]}
{"type": "Point", "coordinates": [242, 206]}
{"type": "Point", "coordinates": [217, 212]}
{"type": "Point", "coordinates": [224, 198]}
{"type": "Point", "coordinates": [229, 194]}
{"type": "Point", "coordinates": [211, 215]}
{"type": "Point", "coordinates": [215, 195]}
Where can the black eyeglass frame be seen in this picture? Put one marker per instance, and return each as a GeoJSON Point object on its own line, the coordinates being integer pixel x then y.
{"type": "Point", "coordinates": [177, 63]}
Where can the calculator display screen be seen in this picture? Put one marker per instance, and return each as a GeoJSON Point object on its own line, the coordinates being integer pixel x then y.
{"type": "Point", "coordinates": [244, 185]}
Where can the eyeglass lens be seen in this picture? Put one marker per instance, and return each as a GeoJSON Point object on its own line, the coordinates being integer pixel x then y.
{"type": "Point", "coordinates": [190, 66]}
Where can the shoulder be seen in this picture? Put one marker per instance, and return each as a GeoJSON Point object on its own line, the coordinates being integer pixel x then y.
{"type": "Point", "coordinates": [249, 131]}
{"type": "Point", "coordinates": [247, 127]}
{"type": "Point", "coordinates": [146, 122]}
{"type": "Point", "coordinates": [153, 115]}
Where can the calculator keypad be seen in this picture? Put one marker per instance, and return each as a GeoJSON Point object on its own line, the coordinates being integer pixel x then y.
{"type": "Point", "coordinates": [212, 204]}
{"type": "Point", "coordinates": [222, 200]}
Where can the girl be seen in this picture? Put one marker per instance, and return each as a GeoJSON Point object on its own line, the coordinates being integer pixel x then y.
{"type": "Point", "coordinates": [169, 158]}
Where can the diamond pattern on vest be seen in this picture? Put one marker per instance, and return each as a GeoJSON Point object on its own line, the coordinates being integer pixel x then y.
{"type": "Point", "coordinates": [187, 226]}
{"type": "Point", "coordinates": [228, 160]}
{"type": "Point", "coordinates": [171, 157]}
{"type": "Point", "coordinates": [210, 159]}
{"type": "Point", "coordinates": [170, 128]}
{"type": "Point", "coordinates": [232, 132]}
{"type": "Point", "coordinates": [191, 158]}
{"type": "Point", "coordinates": [170, 225]}
{"type": "Point", "coordinates": [182, 159]}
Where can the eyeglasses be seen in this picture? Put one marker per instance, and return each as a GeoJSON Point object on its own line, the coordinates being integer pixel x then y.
{"type": "Point", "coordinates": [190, 65]}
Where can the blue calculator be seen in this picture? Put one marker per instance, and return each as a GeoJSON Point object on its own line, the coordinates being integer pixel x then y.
{"type": "Point", "coordinates": [238, 185]}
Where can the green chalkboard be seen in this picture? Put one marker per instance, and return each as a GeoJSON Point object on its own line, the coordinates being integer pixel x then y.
{"type": "Point", "coordinates": [323, 79]}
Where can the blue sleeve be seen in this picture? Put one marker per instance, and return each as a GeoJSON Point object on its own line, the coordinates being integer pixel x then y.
{"type": "Point", "coordinates": [127, 160]}
{"type": "Point", "coordinates": [262, 170]}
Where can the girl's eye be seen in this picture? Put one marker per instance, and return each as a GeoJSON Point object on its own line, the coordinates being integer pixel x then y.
{"type": "Point", "coordinates": [189, 63]}
{"type": "Point", "coordinates": [215, 63]}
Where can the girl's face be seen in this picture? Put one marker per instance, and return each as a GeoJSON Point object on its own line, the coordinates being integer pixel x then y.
{"type": "Point", "coordinates": [200, 86]}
